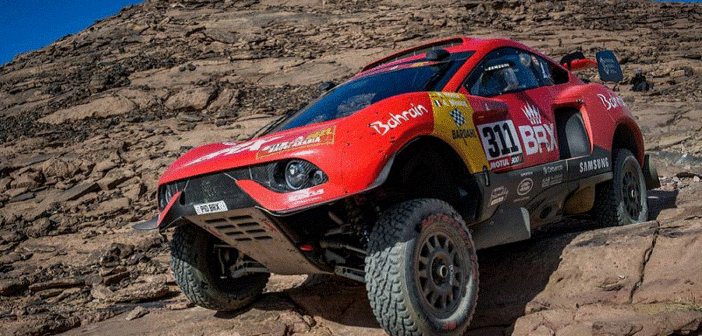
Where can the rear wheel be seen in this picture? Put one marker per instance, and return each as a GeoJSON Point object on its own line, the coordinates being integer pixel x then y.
{"type": "Point", "coordinates": [202, 266]}
{"type": "Point", "coordinates": [422, 270]}
{"type": "Point", "coordinates": [622, 200]}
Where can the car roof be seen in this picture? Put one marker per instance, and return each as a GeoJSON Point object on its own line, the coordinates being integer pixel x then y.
{"type": "Point", "coordinates": [451, 45]}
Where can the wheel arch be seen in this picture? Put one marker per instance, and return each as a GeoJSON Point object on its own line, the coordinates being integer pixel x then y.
{"type": "Point", "coordinates": [446, 176]}
{"type": "Point", "coordinates": [625, 136]}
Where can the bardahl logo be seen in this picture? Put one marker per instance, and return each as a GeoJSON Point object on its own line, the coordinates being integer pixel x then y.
{"type": "Point", "coordinates": [463, 134]}
{"type": "Point", "coordinates": [397, 119]}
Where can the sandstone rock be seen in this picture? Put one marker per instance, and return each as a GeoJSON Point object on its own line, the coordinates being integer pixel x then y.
{"type": "Point", "coordinates": [5, 183]}
{"type": "Point", "coordinates": [39, 228]}
{"type": "Point", "coordinates": [16, 192]}
{"type": "Point", "coordinates": [673, 273]}
{"type": "Point", "coordinates": [59, 283]}
{"type": "Point", "coordinates": [225, 100]}
{"type": "Point", "coordinates": [114, 205]}
{"type": "Point", "coordinates": [190, 99]}
{"type": "Point", "coordinates": [12, 287]}
{"type": "Point", "coordinates": [113, 178]}
{"type": "Point", "coordinates": [99, 108]}
{"type": "Point", "coordinates": [602, 266]}
{"type": "Point", "coordinates": [141, 292]}
{"type": "Point", "coordinates": [77, 191]}
{"type": "Point", "coordinates": [28, 180]}
{"type": "Point", "coordinates": [101, 292]}
{"type": "Point", "coordinates": [21, 197]}
{"type": "Point", "coordinates": [60, 168]}
{"type": "Point", "coordinates": [136, 313]}
{"type": "Point", "coordinates": [105, 165]}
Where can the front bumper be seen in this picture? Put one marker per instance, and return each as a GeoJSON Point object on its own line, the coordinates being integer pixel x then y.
{"type": "Point", "coordinates": [237, 220]}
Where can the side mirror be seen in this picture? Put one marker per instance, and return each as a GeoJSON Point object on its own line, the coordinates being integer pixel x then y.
{"type": "Point", "coordinates": [608, 67]}
{"type": "Point", "coordinates": [326, 86]}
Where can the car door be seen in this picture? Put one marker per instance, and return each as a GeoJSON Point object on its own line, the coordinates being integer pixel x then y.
{"type": "Point", "coordinates": [526, 135]}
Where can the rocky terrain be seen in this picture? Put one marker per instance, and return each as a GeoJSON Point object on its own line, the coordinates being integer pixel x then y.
{"type": "Point", "coordinates": [88, 124]}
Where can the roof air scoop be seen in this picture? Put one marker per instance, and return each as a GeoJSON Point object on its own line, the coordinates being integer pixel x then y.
{"type": "Point", "coordinates": [437, 54]}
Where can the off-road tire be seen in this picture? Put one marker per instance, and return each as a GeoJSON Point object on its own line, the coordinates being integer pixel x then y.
{"type": "Point", "coordinates": [197, 273]}
{"type": "Point", "coordinates": [408, 253]}
{"type": "Point", "coordinates": [622, 200]}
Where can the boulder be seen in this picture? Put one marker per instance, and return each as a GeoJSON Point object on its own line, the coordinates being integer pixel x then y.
{"type": "Point", "coordinates": [98, 108]}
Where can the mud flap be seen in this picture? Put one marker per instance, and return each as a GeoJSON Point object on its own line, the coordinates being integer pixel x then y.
{"type": "Point", "coordinates": [509, 224]}
{"type": "Point", "coordinates": [650, 174]}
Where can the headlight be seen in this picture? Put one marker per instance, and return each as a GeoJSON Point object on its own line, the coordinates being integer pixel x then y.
{"type": "Point", "coordinates": [288, 175]}
{"type": "Point", "coordinates": [296, 174]}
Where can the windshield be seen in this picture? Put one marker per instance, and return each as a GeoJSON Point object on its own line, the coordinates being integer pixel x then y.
{"type": "Point", "coordinates": [359, 93]}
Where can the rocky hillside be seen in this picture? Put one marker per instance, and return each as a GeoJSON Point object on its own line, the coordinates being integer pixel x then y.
{"type": "Point", "coordinates": [88, 124]}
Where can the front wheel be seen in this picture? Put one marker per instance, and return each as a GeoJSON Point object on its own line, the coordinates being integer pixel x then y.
{"type": "Point", "coordinates": [422, 270]}
{"type": "Point", "coordinates": [622, 200]}
{"type": "Point", "coordinates": [202, 269]}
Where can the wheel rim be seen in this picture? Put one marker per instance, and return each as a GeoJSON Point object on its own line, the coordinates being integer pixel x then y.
{"type": "Point", "coordinates": [631, 194]}
{"type": "Point", "coordinates": [442, 274]}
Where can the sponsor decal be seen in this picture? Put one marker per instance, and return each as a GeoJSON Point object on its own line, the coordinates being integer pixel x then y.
{"type": "Point", "coordinates": [613, 101]}
{"type": "Point", "coordinates": [212, 207]}
{"type": "Point", "coordinates": [498, 195]}
{"type": "Point", "coordinates": [395, 120]}
{"type": "Point", "coordinates": [506, 162]}
{"type": "Point", "coordinates": [551, 180]}
{"type": "Point", "coordinates": [305, 194]}
{"type": "Point", "coordinates": [553, 169]}
{"type": "Point", "coordinates": [521, 199]}
{"type": "Point", "coordinates": [525, 186]}
{"type": "Point", "coordinates": [594, 164]}
{"type": "Point", "coordinates": [321, 137]}
{"type": "Point", "coordinates": [526, 173]}
{"type": "Point", "coordinates": [463, 134]}
{"type": "Point", "coordinates": [532, 113]}
{"type": "Point", "coordinates": [461, 103]}
{"type": "Point", "coordinates": [540, 136]}
{"type": "Point", "coordinates": [252, 145]}
{"type": "Point", "coordinates": [451, 94]}
{"type": "Point", "coordinates": [497, 67]}
{"type": "Point", "coordinates": [457, 117]}
{"type": "Point", "coordinates": [500, 143]}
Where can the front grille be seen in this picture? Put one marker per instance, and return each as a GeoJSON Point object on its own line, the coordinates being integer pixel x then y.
{"type": "Point", "coordinates": [210, 188]}
{"type": "Point", "coordinates": [204, 189]}
{"type": "Point", "coordinates": [239, 228]}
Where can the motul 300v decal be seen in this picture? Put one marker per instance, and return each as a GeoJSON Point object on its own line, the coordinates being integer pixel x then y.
{"type": "Point", "coordinates": [501, 144]}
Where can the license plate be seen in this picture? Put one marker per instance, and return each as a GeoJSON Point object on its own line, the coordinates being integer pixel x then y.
{"type": "Point", "coordinates": [212, 207]}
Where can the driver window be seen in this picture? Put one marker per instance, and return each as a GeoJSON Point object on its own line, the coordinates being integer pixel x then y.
{"type": "Point", "coordinates": [503, 71]}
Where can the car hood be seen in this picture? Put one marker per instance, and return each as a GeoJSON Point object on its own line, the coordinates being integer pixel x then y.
{"type": "Point", "coordinates": [227, 155]}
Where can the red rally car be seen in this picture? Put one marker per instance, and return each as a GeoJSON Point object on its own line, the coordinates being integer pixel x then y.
{"type": "Point", "coordinates": [397, 176]}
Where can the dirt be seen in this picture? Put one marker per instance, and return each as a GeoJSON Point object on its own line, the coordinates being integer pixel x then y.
{"type": "Point", "coordinates": [89, 123]}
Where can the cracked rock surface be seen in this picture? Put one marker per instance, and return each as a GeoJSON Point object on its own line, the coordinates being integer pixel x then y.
{"type": "Point", "coordinates": [89, 123]}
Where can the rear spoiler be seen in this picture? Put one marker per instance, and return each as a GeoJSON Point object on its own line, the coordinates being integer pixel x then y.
{"type": "Point", "coordinates": [607, 64]}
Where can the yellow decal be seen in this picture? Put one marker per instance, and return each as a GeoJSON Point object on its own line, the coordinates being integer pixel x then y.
{"type": "Point", "coordinates": [321, 137]}
{"type": "Point", "coordinates": [453, 123]}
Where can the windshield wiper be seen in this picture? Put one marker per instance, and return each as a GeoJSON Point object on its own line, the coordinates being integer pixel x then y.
{"type": "Point", "coordinates": [275, 123]}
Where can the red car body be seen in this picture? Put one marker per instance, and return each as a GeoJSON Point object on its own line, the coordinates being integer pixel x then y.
{"type": "Point", "coordinates": [504, 135]}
